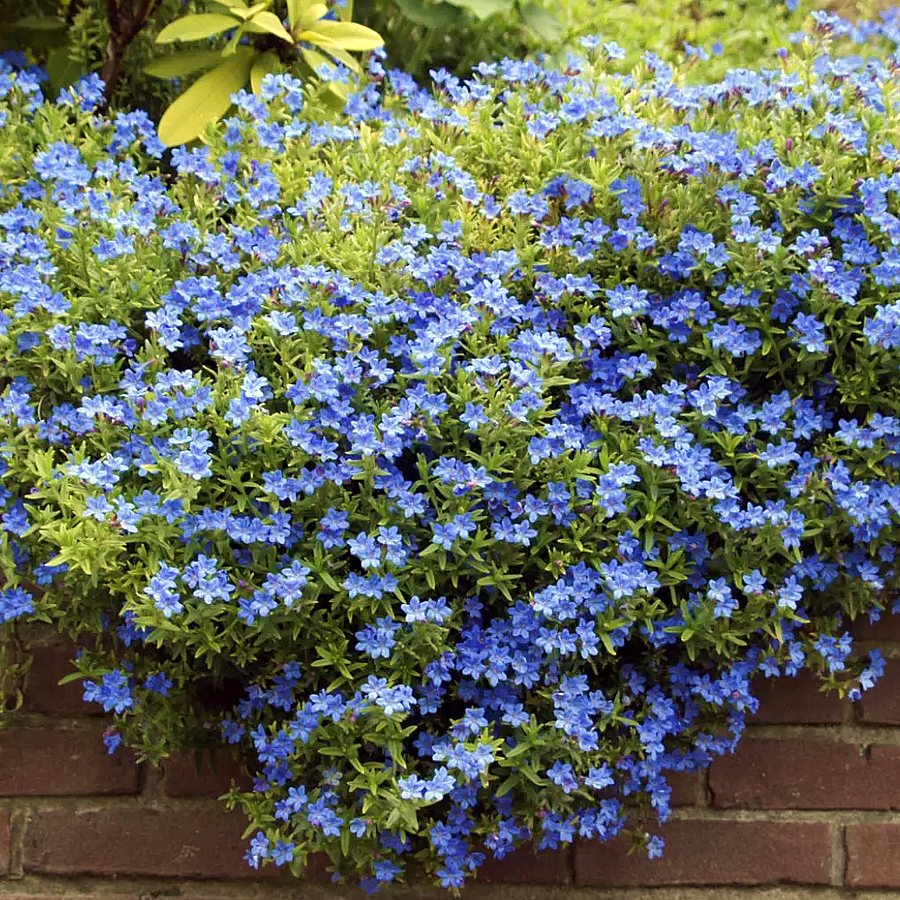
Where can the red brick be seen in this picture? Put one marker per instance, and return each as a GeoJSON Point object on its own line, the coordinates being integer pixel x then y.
{"type": "Point", "coordinates": [805, 774]}
{"type": "Point", "coordinates": [40, 762]}
{"type": "Point", "coordinates": [796, 701]}
{"type": "Point", "coordinates": [145, 842]}
{"type": "Point", "coordinates": [881, 704]}
{"type": "Point", "coordinates": [526, 867]}
{"type": "Point", "coordinates": [886, 629]}
{"type": "Point", "coordinates": [713, 853]}
{"type": "Point", "coordinates": [872, 858]}
{"type": "Point", "coordinates": [44, 694]}
{"type": "Point", "coordinates": [182, 778]}
{"type": "Point", "coordinates": [685, 787]}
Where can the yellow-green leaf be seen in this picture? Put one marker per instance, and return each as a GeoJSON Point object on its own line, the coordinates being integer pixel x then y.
{"type": "Point", "coordinates": [235, 9]}
{"type": "Point", "coordinates": [313, 58]}
{"type": "Point", "coordinates": [348, 35]}
{"type": "Point", "coordinates": [309, 17]}
{"type": "Point", "coordinates": [206, 100]}
{"type": "Point", "coordinates": [269, 22]}
{"type": "Point", "coordinates": [344, 57]}
{"type": "Point", "coordinates": [295, 12]}
{"type": "Point", "coordinates": [262, 66]}
{"type": "Point", "coordinates": [180, 64]}
{"type": "Point", "coordinates": [194, 28]}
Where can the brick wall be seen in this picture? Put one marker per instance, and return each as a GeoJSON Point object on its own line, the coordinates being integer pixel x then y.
{"type": "Point", "coordinates": [808, 807]}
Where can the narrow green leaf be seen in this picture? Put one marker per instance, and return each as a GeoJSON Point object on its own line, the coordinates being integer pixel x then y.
{"type": "Point", "coordinates": [194, 28]}
{"type": "Point", "coordinates": [206, 100]}
{"type": "Point", "coordinates": [607, 642]}
{"type": "Point", "coordinates": [185, 63]}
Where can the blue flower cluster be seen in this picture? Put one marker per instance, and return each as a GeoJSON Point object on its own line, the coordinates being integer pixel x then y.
{"type": "Point", "coordinates": [494, 438]}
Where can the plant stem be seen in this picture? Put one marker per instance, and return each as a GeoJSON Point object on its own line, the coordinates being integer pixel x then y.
{"type": "Point", "coordinates": [122, 31]}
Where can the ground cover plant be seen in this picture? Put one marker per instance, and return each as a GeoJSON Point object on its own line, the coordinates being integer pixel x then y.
{"type": "Point", "coordinates": [72, 38]}
{"type": "Point", "coordinates": [460, 460]}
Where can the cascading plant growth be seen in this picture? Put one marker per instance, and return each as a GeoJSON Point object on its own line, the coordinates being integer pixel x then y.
{"type": "Point", "coordinates": [488, 440]}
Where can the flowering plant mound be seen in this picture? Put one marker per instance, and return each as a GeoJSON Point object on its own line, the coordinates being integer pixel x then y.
{"type": "Point", "coordinates": [488, 441]}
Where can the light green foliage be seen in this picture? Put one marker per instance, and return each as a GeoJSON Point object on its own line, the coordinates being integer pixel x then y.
{"type": "Point", "coordinates": [236, 64]}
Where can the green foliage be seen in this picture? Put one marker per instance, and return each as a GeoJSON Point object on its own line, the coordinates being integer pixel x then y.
{"type": "Point", "coordinates": [465, 457]}
{"type": "Point", "coordinates": [237, 64]}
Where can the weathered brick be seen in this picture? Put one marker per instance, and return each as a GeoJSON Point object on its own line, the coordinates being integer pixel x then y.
{"type": "Point", "coordinates": [172, 843]}
{"type": "Point", "coordinates": [872, 858]}
{"type": "Point", "coordinates": [886, 629]}
{"type": "Point", "coordinates": [41, 762]}
{"type": "Point", "coordinates": [4, 842]}
{"type": "Point", "coordinates": [796, 701]}
{"type": "Point", "coordinates": [526, 867]}
{"type": "Point", "coordinates": [216, 771]}
{"type": "Point", "coordinates": [685, 787]}
{"type": "Point", "coordinates": [806, 774]}
{"type": "Point", "coordinates": [881, 704]}
{"type": "Point", "coordinates": [713, 853]}
{"type": "Point", "coordinates": [44, 694]}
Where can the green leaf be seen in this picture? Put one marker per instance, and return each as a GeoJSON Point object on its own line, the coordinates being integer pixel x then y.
{"type": "Point", "coordinates": [330, 582]}
{"type": "Point", "coordinates": [543, 23]}
{"type": "Point", "coordinates": [307, 15]}
{"type": "Point", "coordinates": [295, 10]}
{"type": "Point", "coordinates": [483, 8]}
{"type": "Point", "coordinates": [270, 23]}
{"type": "Point", "coordinates": [37, 23]}
{"type": "Point", "coordinates": [347, 35]}
{"type": "Point", "coordinates": [194, 28]}
{"type": "Point", "coordinates": [61, 69]}
{"type": "Point", "coordinates": [206, 100]}
{"type": "Point", "coordinates": [185, 63]}
{"type": "Point", "coordinates": [345, 58]}
{"type": "Point", "coordinates": [264, 65]}
{"type": "Point", "coordinates": [39, 32]}
{"type": "Point", "coordinates": [313, 58]}
{"type": "Point", "coordinates": [438, 15]}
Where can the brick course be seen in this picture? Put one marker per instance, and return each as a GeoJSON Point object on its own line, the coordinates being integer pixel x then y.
{"type": "Point", "coordinates": [811, 798]}
{"type": "Point", "coordinates": [806, 774]}
{"type": "Point", "coordinates": [872, 858]}
{"type": "Point", "coordinates": [714, 852]}
{"type": "Point", "coordinates": [40, 761]}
